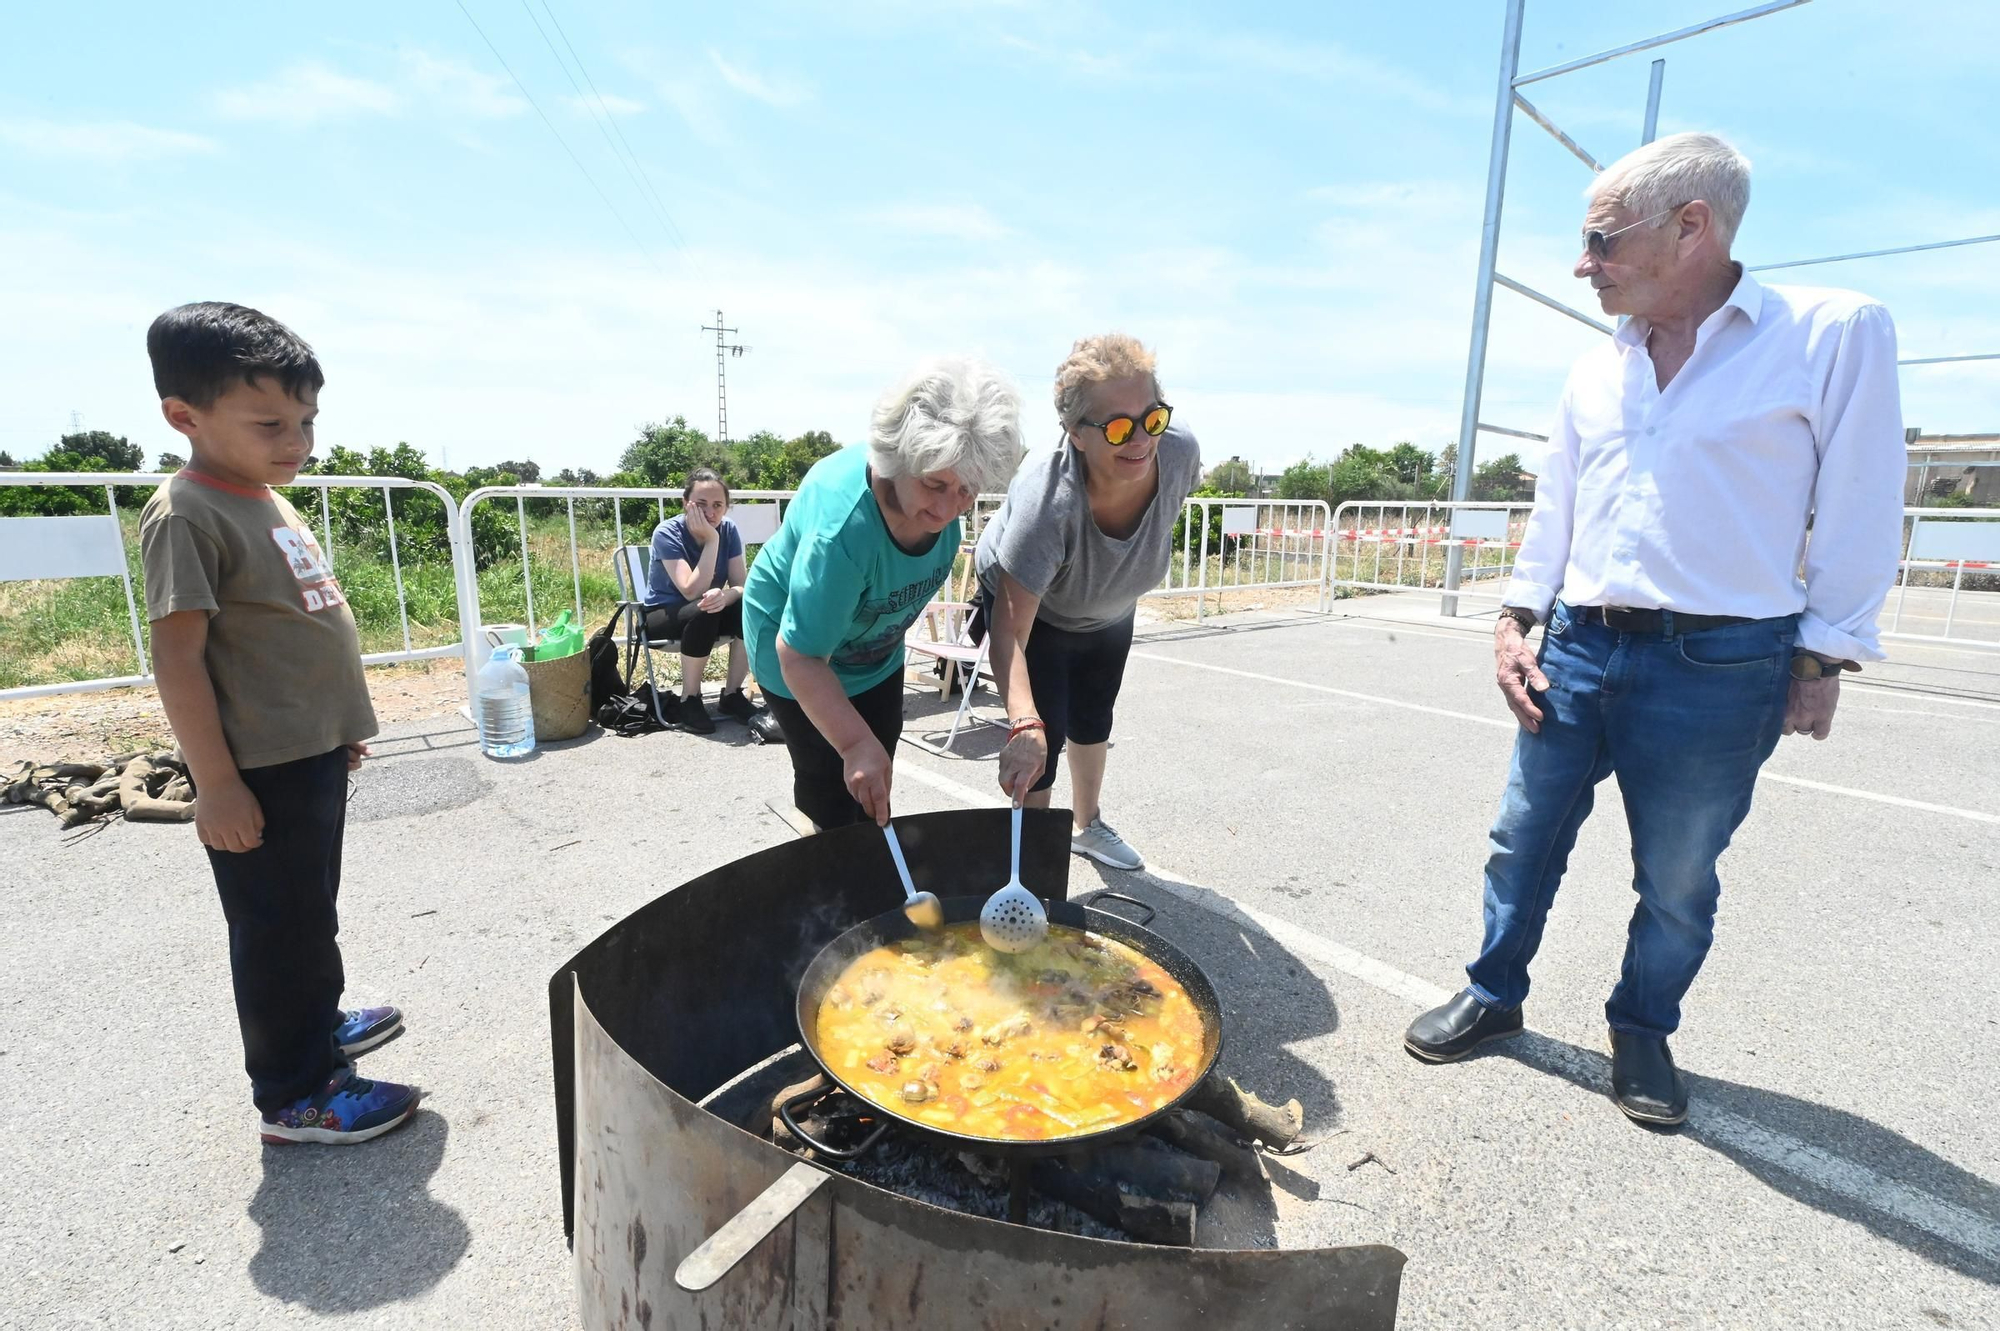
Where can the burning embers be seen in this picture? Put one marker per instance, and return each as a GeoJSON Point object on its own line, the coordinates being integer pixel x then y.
{"type": "Point", "coordinates": [1151, 1188]}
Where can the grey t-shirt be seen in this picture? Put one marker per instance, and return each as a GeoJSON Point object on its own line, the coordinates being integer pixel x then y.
{"type": "Point", "coordinates": [1044, 535]}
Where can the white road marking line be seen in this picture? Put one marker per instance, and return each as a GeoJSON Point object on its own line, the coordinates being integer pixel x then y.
{"type": "Point", "coordinates": [1973, 815]}
{"type": "Point", "coordinates": [1328, 688]}
{"type": "Point", "coordinates": [1898, 801]}
{"type": "Point", "coordinates": [1946, 716]}
{"type": "Point", "coordinates": [1916, 695]}
{"type": "Point", "coordinates": [1396, 627]}
{"type": "Point", "coordinates": [1962, 1229]}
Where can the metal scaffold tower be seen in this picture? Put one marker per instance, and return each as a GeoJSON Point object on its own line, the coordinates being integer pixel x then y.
{"type": "Point", "coordinates": [724, 349]}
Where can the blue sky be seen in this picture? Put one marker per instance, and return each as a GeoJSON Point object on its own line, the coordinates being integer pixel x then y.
{"type": "Point", "coordinates": [1283, 199]}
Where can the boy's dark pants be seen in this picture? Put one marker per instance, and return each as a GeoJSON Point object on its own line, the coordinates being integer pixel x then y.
{"type": "Point", "coordinates": [279, 901]}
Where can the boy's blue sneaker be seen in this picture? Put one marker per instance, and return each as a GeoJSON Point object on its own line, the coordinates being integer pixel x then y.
{"type": "Point", "coordinates": [347, 1109]}
{"type": "Point", "coordinates": [361, 1029]}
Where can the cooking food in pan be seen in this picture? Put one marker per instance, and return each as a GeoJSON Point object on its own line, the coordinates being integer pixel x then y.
{"type": "Point", "coordinates": [1076, 1035]}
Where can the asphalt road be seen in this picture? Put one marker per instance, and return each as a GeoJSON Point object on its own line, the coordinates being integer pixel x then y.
{"type": "Point", "coordinates": [1315, 796]}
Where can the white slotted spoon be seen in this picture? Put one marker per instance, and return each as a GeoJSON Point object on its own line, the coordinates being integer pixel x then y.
{"type": "Point", "coordinates": [1014, 919]}
{"type": "Point", "coordinates": [923, 909]}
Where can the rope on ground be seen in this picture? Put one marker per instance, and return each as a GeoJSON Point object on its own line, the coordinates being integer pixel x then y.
{"type": "Point", "coordinates": [140, 787]}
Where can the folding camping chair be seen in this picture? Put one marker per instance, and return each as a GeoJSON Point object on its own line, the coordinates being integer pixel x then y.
{"type": "Point", "coordinates": [631, 567]}
{"type": "Point", "coordinates": [943, 634]}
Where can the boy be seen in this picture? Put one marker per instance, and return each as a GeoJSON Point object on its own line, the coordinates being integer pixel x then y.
{"type": "Point", "coordinates": [259, 669]}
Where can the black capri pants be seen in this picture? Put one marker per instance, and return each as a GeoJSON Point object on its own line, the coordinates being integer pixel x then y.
{"type": "Point", "coordinates": [696, 630]}
{"type": "Point", "coordinates": [1075, 677]}
{"type": "Point", "coordinates": [819, 783]}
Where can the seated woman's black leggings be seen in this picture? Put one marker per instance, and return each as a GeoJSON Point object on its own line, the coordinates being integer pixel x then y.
{"type": "Point", "coordinates": [695, 629]}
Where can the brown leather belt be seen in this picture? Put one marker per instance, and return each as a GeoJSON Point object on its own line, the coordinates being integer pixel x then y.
{"type": "Point", "coordinates": [1621, 620]}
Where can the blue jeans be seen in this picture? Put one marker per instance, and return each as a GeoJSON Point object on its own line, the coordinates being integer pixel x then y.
{"type": "Point", "coordinates": [1685, 720]}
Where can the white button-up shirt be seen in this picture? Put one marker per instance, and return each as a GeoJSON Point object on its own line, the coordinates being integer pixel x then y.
{"type": "Point", "coordinates": [1696, 497]}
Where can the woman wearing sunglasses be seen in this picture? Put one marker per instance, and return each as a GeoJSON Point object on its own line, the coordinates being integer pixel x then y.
{"type": "Point", "coordinates": [1084, 532]}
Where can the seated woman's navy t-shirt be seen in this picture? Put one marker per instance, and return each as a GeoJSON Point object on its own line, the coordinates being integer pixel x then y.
{"type": "Point", "coordinates": [671, 541]}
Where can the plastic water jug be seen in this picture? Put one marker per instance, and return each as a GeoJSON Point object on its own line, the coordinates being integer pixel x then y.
{"type": "Point", "coordinates": [506, 718]}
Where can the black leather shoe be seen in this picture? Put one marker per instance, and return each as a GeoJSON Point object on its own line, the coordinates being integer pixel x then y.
{"type": "Point", "coordinates": [1447, 1034]}
{"type": "Point", "coordinates": [1645, 1082]}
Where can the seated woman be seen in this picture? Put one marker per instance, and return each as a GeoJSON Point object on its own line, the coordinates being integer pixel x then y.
{"type": "Point", "coordinates": [695, 597]}
{"type": "Point", "coordinates": [868, 540]}
{"type": "Point", "coordinates": [1085, 531]}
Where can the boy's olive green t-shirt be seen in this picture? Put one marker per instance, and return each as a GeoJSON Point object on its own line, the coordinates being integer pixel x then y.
{"type": "Point", "coordinates": [282, 653]}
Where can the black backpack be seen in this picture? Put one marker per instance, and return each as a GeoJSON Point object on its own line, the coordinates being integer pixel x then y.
{"type": "Point", "coordinates": [607, 679]}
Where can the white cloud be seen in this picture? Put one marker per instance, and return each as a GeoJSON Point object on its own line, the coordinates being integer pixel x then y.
{"type": "Point", "coordinates": [1328, 62]}
{"type": "Point", "coordinates": [311, 93]}
{"type": "Point", "coordinates": [459, 87]}
{"type": "Point", "coordinates": [950, 221]}
{"type": "Point", "coordinates": [307, 93]}
{"type": "Point", "coordinates": [612, 104]}
{"type": "Point", "coordinates": [773, 92]}
{"type": "Point", "coordinates": [105, 141]}
{"type": "Point", "coordinates": [1077, 63]}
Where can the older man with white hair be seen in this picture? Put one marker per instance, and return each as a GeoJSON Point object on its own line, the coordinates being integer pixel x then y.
{"type": "Point", "coordinates": [1690, 458]}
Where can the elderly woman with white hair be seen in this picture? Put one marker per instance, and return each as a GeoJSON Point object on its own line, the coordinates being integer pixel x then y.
{"type": "Point", "coordinates": [869, 539]}
{"type": "Point", "coordinates": [1086, 530]}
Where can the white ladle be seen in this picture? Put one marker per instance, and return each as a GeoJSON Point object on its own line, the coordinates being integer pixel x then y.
{"type": "Point", "coordinates": [1014, 919]}
{"type": "Point", "coordinates": [923, 909]}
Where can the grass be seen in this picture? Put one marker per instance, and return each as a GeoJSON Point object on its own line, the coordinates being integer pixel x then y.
{"type": "Point", "coordinates": [78, 629]}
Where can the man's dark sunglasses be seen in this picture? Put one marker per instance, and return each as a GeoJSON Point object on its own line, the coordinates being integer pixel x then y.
{"type": "Point", "coordinates": [1598, 243]}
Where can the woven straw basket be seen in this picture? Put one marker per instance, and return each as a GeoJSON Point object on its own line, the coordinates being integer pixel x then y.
{"type": "Point", "coordinates": [559, 693]}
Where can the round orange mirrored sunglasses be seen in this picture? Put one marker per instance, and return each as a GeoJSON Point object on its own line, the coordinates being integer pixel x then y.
{"type": "Point", "coordinates": [1119, 428]}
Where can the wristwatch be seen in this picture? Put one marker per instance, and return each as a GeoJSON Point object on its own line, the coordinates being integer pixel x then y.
{"type": "Point", "coordinates": [1811, 665]}
{"type": "Point", "coordinates": [1520, 615]}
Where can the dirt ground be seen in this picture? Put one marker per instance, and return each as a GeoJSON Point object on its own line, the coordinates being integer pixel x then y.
{"type": "Point", "coordinates": [81, 727]}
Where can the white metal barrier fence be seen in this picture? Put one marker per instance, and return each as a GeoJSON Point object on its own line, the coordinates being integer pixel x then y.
{"type": "Point", "coordinates": [1382, 545]}
{"type": "Point", "coordinates": [1249, 544]}
{"type": "Point", "coordinates": [756, 514]}
{"type": "Point", "coordinates": [1947, 591]}
{"type": "Point", "coordinates": [61, 548]}
{"type": "Point", "coordinates": [1949, 577]}
{"type": "Point", "coordinates": [1947, 583]}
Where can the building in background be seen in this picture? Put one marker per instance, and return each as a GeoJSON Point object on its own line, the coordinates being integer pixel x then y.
{"type": "Point", "coordinates": [1944, 465]}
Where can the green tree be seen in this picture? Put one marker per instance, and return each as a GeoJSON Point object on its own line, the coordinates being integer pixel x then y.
{"type": "Point", "coordinates": [1305, 479]}
{"type": "Point", "coordinates": [1410, 464]}
{"type": "Point", "coordinates": [1232, 477]}
{"type": "Point", "coordinates": [664, 454]}
{"type": "Point", "coordinates": [422, 531]}
{"type": "Point", "coordinates": [1502, 479]}
{"type": "Point", "coordinates": [528, 473]}
{"type": "Point", "coordinates": [169, 462]}
{"type": "Point", "coordinates": [752, 459]}
{"type": "Point", "coordinates": [795, 459]}
{"type": "Point", "coordinates": [7, 459]}
{"type": "Point", "coordinates": [114, 451]}
{"type": "Point", "coordinates": [583, 476]}
{"type": "Point", "coordinates": [86, 450]}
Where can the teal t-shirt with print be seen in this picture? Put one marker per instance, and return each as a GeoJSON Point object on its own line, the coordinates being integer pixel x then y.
{"type": "Point", "coordinates": [833, 584]}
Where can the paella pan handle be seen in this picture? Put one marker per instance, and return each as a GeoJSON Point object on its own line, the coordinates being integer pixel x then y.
{"type": "Point", "coordinates": [1108, 894]}
{"type": "Point", "coordinates": [830, 1152]}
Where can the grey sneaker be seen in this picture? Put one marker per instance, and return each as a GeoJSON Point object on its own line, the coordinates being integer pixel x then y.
{"type": "Point", "coordinates": [1105, 846]}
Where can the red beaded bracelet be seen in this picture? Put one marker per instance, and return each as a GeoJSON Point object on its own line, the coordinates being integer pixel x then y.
{"type": "Point", "coordinates": [1032, 723]}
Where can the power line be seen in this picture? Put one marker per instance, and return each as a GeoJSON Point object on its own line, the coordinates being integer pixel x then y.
{"type": "Point", "coordinates": [653, 194]}
{"type": "Point", "coordinates": [637, 243]}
